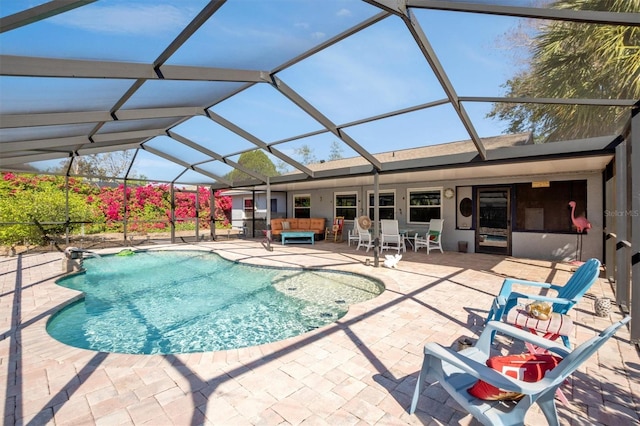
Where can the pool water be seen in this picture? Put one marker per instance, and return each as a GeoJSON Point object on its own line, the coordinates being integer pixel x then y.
{"type": "Point", "coordinates": [181, 302]}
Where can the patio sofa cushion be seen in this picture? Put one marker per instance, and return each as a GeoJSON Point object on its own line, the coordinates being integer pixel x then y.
{"type": "Point", "coordinates": [298, 224]}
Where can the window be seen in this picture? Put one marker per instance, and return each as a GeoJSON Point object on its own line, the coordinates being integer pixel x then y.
{"type": "Point", "coordinates": [547, 208]}
{"type": "Point", "coordinates": [346, 204]}
{"type": "Point", "coordinates": [424, 205]}
{"type": "Point", "coordinates": [274, 205]}
{"type": "Point", "coordinates": [386, 204]}
{"type": "Point", "coordinates": [248, 208]}
{"type": "Point", "coordinates": [302, 206]}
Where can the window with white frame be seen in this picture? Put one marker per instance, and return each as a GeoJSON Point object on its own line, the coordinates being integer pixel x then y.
{"type": "Point", "coordinates": [302, 206]}
{"type": "Point", "coordinates": [346, 205]}
{"type": "Point", "coordinates": [386, 204]}
{"type": "Point", "coordinates": [424, 204]}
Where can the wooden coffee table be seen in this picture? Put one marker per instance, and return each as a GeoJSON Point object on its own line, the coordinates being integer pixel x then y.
{"type": "Point", "coordinates": [297, 237]}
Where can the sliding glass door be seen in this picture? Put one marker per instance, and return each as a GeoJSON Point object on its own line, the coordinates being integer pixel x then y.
{"type": "Point", "coordinates": [493, 221]}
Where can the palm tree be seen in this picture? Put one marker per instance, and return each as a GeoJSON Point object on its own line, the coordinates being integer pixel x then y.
{"type": "Point", "coordinates": [576, 60]}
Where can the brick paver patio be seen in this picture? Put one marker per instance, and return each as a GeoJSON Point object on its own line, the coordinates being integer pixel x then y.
{"type": "Point", "coordinates": [358, 371]}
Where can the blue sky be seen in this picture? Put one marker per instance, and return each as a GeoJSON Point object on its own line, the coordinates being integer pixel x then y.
{"type": "Point", "coordinates": [370, 73]}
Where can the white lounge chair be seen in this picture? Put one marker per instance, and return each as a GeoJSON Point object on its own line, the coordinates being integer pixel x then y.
{"type": "Point", "coordinates": [432, 239]}
{"type": "Point", "coordinates": [364, 236]}
{"type": "Point", "coordinates": [352, 234]}
{"type": "Point", "coordinates": [390, 237]}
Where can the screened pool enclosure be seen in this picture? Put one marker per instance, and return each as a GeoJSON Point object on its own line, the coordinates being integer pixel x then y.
{"type": "Point", "coordinates": [183, 92]}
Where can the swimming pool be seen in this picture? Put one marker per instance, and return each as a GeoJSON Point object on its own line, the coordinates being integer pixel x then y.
{"type": "Point", "coordinates": [194, 301]}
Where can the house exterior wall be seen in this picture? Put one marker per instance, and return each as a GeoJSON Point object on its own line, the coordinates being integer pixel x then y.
{"type": "Point", "coordinates": [535, 245]}
{"type": "Point", "coordinates": [562, 247]}
{"type": "Point", "coordinates": [542, 245]}
{"type": "Point", "coordinates": [241, 219]}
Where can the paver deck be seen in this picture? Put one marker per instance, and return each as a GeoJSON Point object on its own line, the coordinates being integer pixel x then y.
{"type": "Point", "coordinates": [360, 370]}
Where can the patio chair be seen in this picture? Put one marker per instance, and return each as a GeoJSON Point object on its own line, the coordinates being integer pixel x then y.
{"type": "Point", "coordinates": [459, 371]}
{"type": "Point", "coordinates": [336, 229]}
{"type": "Point", "coordinates": [352, 234]}
{"type": "Point", "coordinates": [433, 237]}
{"type": "Point", "coordinates": [390, 237]}
{"type": "Point", "coordinates": [566, 296]}
{"type": "Point", "coordinates": [364, 236]}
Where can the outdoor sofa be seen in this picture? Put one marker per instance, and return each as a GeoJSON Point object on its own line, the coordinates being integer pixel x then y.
{"type": "Point", "coordinates": [317, 225]}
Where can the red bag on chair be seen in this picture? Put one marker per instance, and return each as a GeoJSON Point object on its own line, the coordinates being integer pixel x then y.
{"type": "Point", "coordinates": [525, 367]}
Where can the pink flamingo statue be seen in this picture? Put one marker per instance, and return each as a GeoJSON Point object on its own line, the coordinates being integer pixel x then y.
{"type": "Point", "coordinates": [582, 225]}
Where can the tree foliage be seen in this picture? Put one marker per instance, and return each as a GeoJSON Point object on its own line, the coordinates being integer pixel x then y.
{"type": "Point", "coordinates": [107, 166]}
{"type": "Point", "coordinates": [576, 60]}
{"type": "Point", "coordinates": [28, 198]}
{"type": "Point", "coordinates": [305, 152]}
{"type": "Point", "coordinates": [25, 199]}
{"type": "Point", "coordinates": [335, 153]}
{"type": "Point", "coordinates": [255, 160]}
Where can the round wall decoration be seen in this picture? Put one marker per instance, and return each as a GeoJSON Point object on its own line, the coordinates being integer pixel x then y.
{"type": "Point", "coordinates": [449, 193]}
{"type": "Point", "coordinates": [466, 207]}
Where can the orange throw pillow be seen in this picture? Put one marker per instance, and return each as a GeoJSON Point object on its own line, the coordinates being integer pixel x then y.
{"type": "Point", "coordinates": [525, 367]}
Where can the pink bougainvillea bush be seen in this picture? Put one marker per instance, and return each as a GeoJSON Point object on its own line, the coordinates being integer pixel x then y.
{"type": "Point", "coordinates": [27, 198]}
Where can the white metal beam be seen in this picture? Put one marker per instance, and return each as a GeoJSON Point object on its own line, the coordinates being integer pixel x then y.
{"type": "Point", "coordinates": [27, 66]}
{"type": "Point", "coordinates": [30, 158]}
{"type": "Point", "coordinates": [135, 134]}
{"type": "Point", "coordinates": [322, 119]}
{"type": "Point", "coordinates": [623, 259]}
{"type": "Point", "coordinates": [551, 101]}
{"type": "Point", "coordinates": [430, 55]}
{"type": "Point", "coordinates": [202, 17]}
{"type": "Point", "coordinates": [36, 144]}
{"type": "Point", "coordinates": [588, 16]}
{"type": "Point", "coordinates": [216, 156]}
{"type": "Point", "coordinates": [635, 225]}
{"type": "Point", "coordinates": [39, 13]}
{"type": "Point", "coordinates": [257, 142]}
{"type": "Point", "coordinates": [62, 118]}
{"type": "Point", "coordinates": [186, 165]}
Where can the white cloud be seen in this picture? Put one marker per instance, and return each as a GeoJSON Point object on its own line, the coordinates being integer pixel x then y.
{"type": "Point", "coordinates": [125, 19]}
{"type": "Point", "coordinates": [303, 25]}
{"type": "Point", "coordinates": [343, 12]}
{"type": "Point", "coordinates": [318, 35]}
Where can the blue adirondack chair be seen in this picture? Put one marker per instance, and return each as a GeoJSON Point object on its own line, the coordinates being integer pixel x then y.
{"type": "Point", "coordinates": [566, 295]}
{"type": "Point", "coordinates": [458, 371]}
